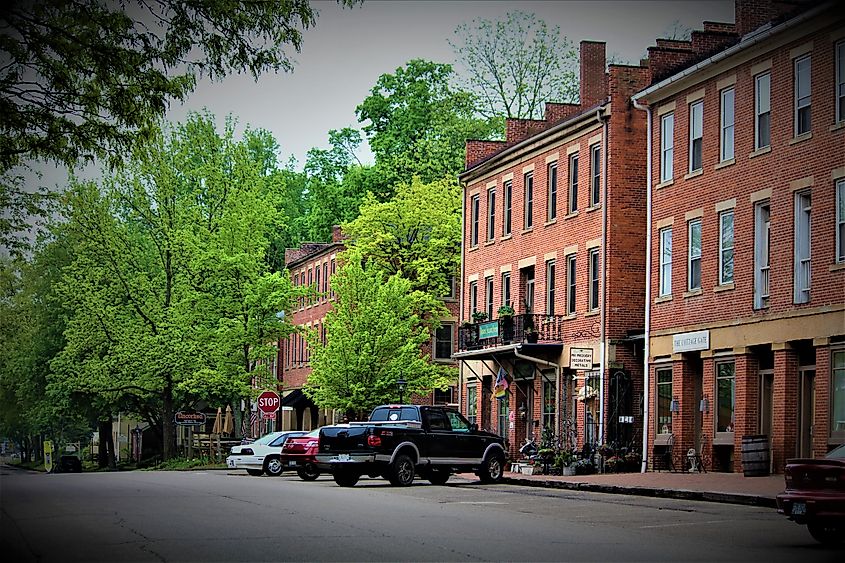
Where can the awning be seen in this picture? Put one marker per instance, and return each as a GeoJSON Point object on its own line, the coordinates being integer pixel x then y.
{"type": "Point", "coordinates": [295, 398]}
{"type": "Point", "coordinates": [543, 349]}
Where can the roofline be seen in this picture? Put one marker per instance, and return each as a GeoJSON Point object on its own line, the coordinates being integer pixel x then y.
{"type": "Point", "coordinates": [746, 42]}
{"type": "Point", "coordinates": [329, 246]}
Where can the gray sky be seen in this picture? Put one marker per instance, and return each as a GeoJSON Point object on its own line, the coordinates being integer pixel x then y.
{"type": "Point", "coordinates": [343, 56]}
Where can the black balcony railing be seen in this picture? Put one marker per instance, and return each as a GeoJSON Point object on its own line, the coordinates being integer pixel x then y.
{"type": "Point", "coordinates": [508, 330]}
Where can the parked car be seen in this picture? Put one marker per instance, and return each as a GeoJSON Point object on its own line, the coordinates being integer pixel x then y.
{"type": "Point", "coordinates": [402, 441]}
{"type": "Point", "coordinates": [262, 455]}
{"type": "Point", "coordinates": [815, 495]}
{"type": "Point", "coordinates": [300, 453]}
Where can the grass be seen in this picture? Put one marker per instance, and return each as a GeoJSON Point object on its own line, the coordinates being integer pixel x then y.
{"type": "Point", "coordinates": [185, 464]}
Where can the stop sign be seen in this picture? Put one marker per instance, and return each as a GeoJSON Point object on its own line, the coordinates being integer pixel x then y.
{"type": "Point", "coordinates": [268, 402]}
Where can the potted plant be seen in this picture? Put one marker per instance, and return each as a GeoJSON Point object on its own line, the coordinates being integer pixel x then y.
{"type": "Point", "coordinates": [506, 314]}
{"type": "Point", "coordinates": [531, 334]}
{"type": "Point", "coordinates": [470, 334]}
{"type": "Point", "coordinates": [479, 316]}
{"type": "Point", "coordinates": [565, 460]}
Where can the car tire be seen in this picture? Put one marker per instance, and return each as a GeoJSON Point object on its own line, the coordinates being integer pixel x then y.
{"type": "Point", "coordinates": [346, 478]}
{"type": "Point", "coordinates": [402, 471]}
{"type": "Point", "coordinates": [827, 532]}
{"type": "Point", "coordinates": [493, 468]}
{"type": "Point", "coordinates": [273, 466]}
{"type": "Point", "coordinates": [255, 472]}
{"type": "Point", "coordinates": [438, 476]}
{"type": "Point", "coordinates": [308, 472]}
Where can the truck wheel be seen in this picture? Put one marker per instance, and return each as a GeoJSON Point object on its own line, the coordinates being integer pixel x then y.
{"type": "Point", "coordinates": [827, 532]}
{"type": "Point", "coordinates": [273, 466]}
{"type": "Point", "coordinates": [255, 472]}
{"type": "Point", "coordinates": [346, 478]}
{"type": "Point", "coordinates": [438, 476]}
{"type": "Point", "coordinates": [308, 472]}
{"type": "Point", "coordinates": [402, 471]}
{"type": "Point", "coordinates": [493, 468]}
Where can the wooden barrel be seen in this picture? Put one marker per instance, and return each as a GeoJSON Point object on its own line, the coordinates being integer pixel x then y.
{"type": "Point", "coordinates": [755, 455]}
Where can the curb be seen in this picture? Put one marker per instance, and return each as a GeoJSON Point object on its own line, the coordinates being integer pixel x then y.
{"type": "Point", "coordinates": [682, 494]}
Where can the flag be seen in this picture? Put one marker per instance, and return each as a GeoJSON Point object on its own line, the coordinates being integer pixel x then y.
{"type": "Point", "coordinates": [501, 383]}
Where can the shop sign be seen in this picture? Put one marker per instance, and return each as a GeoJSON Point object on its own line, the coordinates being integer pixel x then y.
{"type": "Point", "coordinates": [691, 341]}
{"type": "Point", "coordinates": [183, 418]}
{"type": "Point", "coordinates": [488, 330]}
{"type": "Point", "coordinates": [581, 358]}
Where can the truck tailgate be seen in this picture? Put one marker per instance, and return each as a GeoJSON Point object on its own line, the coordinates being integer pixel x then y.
{"type": "Point", "coordinates": [351, 439]}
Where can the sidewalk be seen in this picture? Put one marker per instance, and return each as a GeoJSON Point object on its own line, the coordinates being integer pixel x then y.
{"type": "Point", "coordinates": [731, 488]}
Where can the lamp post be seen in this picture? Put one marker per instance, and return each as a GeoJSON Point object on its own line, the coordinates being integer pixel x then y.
{"type": "Point", "coordinates": [400, 384]}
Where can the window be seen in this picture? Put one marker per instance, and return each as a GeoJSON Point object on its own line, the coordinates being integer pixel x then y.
{"type": "Point", "coordinates": [507, 188]}
{"type": "Point", "coordinates": [550, 287]}
{"type": "Point", "coordinates": [444, 397]}
{"type": "Point", "coordinates": [529, 200]}
{"type": "Point", "coordinates": [840, 81]}
{"type": "Point", "coordinates": [803, 98]}
{"type": "Point", "coordinates": [444, 341]}
{"type": "Point", "coordinates": [665, 262]}
{"type": "Point", "coordinates": [472, 404]}
{"type": "Point", "coordinates": [762, 111]}
{"type": "Point", "coordinates": [570, 284]}
{"type": "Point", "coordinates": [310, 287]}
{"type": "Point", "coordinates": [451, 283]}
{"type": "Point", "coordinates": [551, 212]}
{"type": "Point", "coordinates": [488, 297]}
{"type": "Point", "coordinates": [664, 401]}
{"type": "Point", "coordinates": [473, 205]}
{"type": "Point", "coordinates": [694, 255]}
{"type": "Point", "coordinates": [473, 297]}
{"type": "Point", "coordinates": [502, 403]}
{"type": "Point", "coordinates": [726, 247]}
{"type": "Point", "coordinates": [549, 407]}
{"type": "Point", "coordinates": [529, 292]}
{"type": "Point", "coordinates": [840, 221]}
{"type": "Point", "coordinates": [696, 132]}
{"type": "Point", "coordinates": [595, 175]}
{"type": "Point", "coordinates": [317, 272]}
{"type": "Point", "coordinates": [491, 213]}
{"type": "Point", "coordinates": [803, 206]}
{"type": "Point", "coordinates": [573, 183]}
{"type": "Point", "coordinates": [727, 125]}
{"type": "Point", "coordinates": [506, 289]}
{"type": "Point", "coordinates": [837, 395]}
{"type": "Point", "coordinates": [761, 255]}
{"type": "Point", "coordinates": [325, 280]}
{"type": "Point", "coordinates": [725, 396]}
{"type": "Point", "coordinates": [667, 146]}
{"type": "Point", "coordinates": [594, 279]}
{"type": "Point", "coordinates": [333, 270]}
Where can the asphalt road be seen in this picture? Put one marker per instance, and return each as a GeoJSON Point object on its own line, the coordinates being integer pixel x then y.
{"type": "Point", "coordinates": [223, 516]}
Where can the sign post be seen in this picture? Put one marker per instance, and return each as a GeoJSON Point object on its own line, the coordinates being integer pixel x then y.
{"type": "Point", "coordinates": [48, 456]}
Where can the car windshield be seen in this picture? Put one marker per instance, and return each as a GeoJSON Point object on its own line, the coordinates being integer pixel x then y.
{"type": "Point", "coordinates": [836, 453]}
{"type": "Point", "coordinates": [267, 438]}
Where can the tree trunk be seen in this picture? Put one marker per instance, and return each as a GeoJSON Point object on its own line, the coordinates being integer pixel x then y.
{"type": "Point", "coordinates": [168, 426]}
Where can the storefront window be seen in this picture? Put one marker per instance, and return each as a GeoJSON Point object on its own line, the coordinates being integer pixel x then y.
{"type": "Point", "coordinates": [664, 401]}
{"type": "Point", "coordinates": [837, 398]}
{"type": "Point", "coordinates": [549, 410]}
{"type": "Point", "coordinates": [503, 415]}
{"type": "Point", "coordinates": [472, 404]}
{"type": "Point", "coordinates": [726, 393]}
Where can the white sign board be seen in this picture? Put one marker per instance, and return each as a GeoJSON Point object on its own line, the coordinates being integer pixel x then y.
{"type": "Point", "coordinates": [581, 358]}
{"type": "Point", "coordinates": [691, 341]}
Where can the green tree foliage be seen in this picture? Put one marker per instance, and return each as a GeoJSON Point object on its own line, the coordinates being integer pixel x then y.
{"type": "Point", "coordinates": [374, 333]}
{"type": "Point", "coordinates": [516, 64]}
{"type": "Point", "coordinates": [418, 124]}
{"type": "Point", "coordinates": [170, 294]}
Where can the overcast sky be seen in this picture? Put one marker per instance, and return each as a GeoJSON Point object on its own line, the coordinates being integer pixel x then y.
{"type": "Point", "coordinates": [343, 56]}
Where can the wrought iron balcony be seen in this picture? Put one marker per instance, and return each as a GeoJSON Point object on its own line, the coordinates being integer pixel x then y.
{"type": "Point", "coordinates": [509, 330]}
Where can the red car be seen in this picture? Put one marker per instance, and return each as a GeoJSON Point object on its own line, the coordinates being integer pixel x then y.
{"type": "Point", "coordinates": [815, 495]}
{"type": "Point", "coordinates": [300, 452]}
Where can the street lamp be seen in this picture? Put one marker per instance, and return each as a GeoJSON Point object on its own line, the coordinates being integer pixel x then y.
{"type": "Point", "coordinates": [400, 384]}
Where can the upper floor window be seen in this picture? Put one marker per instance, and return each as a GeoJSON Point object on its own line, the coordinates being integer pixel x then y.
{"type": "Point", "coordinates": [550, 287]}
{"type": "Point", "coordinates": [488, 296]}
{"type": "Point", "coordinates": [551, 212]}
{"type": "Point", "coordinates": [325, 280]}
{"type": "Point", "coordinates": [507, 193]}
{"type": "Point", "coordinates": [840, 220]}
{"type": "Point", "coordinates": [573, 183]}
{"type": "Point", "coordinates": [473, 297]}
{"type": "Point", "coordinates": [570, 284]}
{"type": "Point", "coordinates": [727, 125]}
{"type": "Point", "coordinates": [667, 146]}
{"type": "Point", "coordinates": [803, 97]}
{"type": "Point", "coordinates": [665, 281]}
{"type": "Point", "coordinates": [595, 175]}
{"type": "Point", "coordinates": [444, 341]}
{"type": "Point", "coordinates": [761, 255]}
{"type": "Point", "coordinates": [491, 213]}
{"type": "Point", "coordinates": [473, 206]}
{"type": "Point", "coordinates": [726, 247]}
{"type": "Point", "coordinates": [803, 207]}
{"type": "Point", "coordinates": [762, 110]}
{"type": "Point", "coordinates": [594, 279]}
{"type": "Point", "coordinates": [840, 81]}
{"type": "Point", "coordinates": [529, 200]}
{"type": "Point", "coordinates": [694, 260]}
{"type": "Point", "coordinates": [696, 133]}
{"type": "Point", "coordinates": [317, 274]}
{"type": "Point", "coordinates": [310, 286]}
{"type": "Point", "coordinates": [506, 289]}
{"type": "Point", "coordinates": [332, 273]}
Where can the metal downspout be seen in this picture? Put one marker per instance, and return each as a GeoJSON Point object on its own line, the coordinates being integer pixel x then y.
{"type": "Point", "coordinates": [647, 347]}
{"type": "Point", "coordinates": [603, 283]}
{"type": "Point", "coordinates": [460, 283]}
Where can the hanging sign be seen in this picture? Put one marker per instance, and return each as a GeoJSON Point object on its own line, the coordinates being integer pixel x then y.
{"type": "Point", "coordinates": [185, 418]}
{"type": "Point", "coordinates": [581, 358]}
{"type": "Point", "coordinates": [488, 330]}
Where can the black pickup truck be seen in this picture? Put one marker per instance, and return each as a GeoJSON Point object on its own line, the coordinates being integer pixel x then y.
{"type": "Point", "coordinates": [402, 441]}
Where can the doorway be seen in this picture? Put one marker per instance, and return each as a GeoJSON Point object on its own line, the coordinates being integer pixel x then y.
{"type": "Point", "coordinates": [767, 395]}
{"type": "Point", "coordinates": [806, 414]}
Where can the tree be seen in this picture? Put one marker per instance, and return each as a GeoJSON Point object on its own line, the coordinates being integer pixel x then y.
{"type": "Point", "coordinates": [374, 333]}
{"type": "Point", "coordinates": [515, 65]}
{"type": "Point", "coordinates": [418, 124]}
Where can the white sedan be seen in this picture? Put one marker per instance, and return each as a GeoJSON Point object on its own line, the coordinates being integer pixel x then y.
{"type": "Point", "coordinates": [262, 455]}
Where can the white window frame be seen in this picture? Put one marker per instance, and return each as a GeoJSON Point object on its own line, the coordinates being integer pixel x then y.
{"type": "Point", "coordinates": [804, 102]}
{"type": "Point", "coordinates": [762, 107]}
{"type": "Point", "coordinates": [571, 285]}
{"type": "Point", "coordinates": [551, 195]}
{"type": "Point", "coordinates": [506, 288]}
{"type": "Point", "coordinates": [473, 297]}
{"type": "Point", "coordinates": [528, 200]}
{"type": "Point", "coordinates": [488, 297]}
{"type": "Point", "coordinates": [594, 289]}
{"type": "Point", "coordinates": [474, 207]}
{"type": "Point", "coordinates": [727, 117]}
{"type": "Point", "coordinates": [762, 246]}
{"type": "Point", "coordinates": [595, 175]}
{"type": "Point", "coordinates": [550, 287]}
{"type": "Point", "coordinates": [491, 214]}
{"type": "Point", "coordinates": [840, 81]}
{"type": "Point", "coordinates": [507, 207]}
{"type": "Point", "coordinates": [435, 340]}
{"type": "Point", "coordinates": [693, 254]}
{"type": "Point", "coordinates": [667, 147]}
{"type": "Point", "coordinates": [726, 246]}
{"type": "Point", "coordinates": [840, 221]}
{"type": "Point", "coordinates": [696, 111]}
{"type": "Point", "coordinates": [572, 200]}
{"type": "Point", "coordinates": [803, 250]}
{"type": "Point", "coordinates": [665, 261]}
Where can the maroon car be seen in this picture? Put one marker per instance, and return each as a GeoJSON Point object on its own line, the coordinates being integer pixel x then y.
{"type": "Point", "coordinates": [815, 495]}
{"type": "Point", "coordinates": [299, 452]}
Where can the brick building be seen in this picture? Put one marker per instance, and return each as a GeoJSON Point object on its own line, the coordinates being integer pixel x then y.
{"type": "Point", "coordinates": [746, 298]}
{"type": "Point", "coordinates": [554, 226]}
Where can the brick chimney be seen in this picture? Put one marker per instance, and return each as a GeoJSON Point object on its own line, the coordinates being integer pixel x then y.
{"type": "Point", "coordinates": [337, 233]}
{"type": "Point", "coordinates": [751, 14]}
{"type": "Point", "coordinates": [593, 77]}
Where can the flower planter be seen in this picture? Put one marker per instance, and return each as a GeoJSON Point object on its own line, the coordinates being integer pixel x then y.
{"type": "Point", "coordinates": [568, 471]}
{"type": "Point", "coordinates": [527, 470]}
